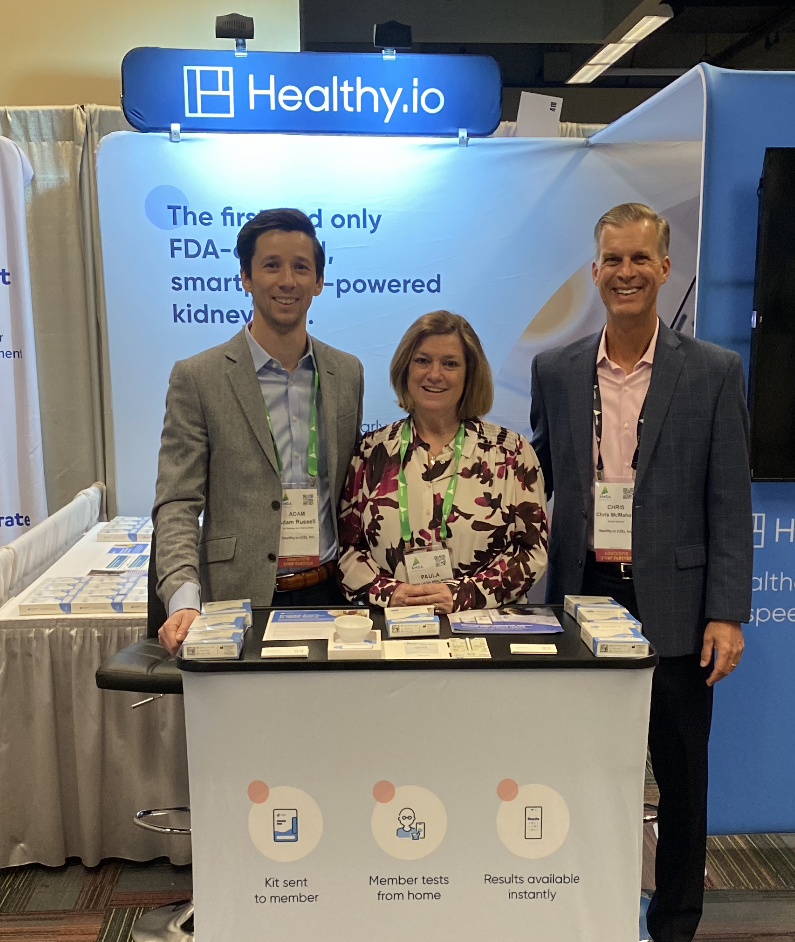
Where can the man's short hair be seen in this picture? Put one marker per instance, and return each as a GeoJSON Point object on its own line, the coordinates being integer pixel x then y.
{"type": "Point", "coordinates": [286, 220]}
{"type": "Point", "coordinates": [626, 213]}
{"type": "Point", "coordinates": [478, 386]}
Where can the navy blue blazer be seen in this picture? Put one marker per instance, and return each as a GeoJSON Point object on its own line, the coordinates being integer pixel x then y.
{"type": "Point", "coordinates": [692, 539]}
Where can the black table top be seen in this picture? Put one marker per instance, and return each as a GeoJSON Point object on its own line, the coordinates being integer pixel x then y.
{"type": "Point", "coordinates": [572, 653]}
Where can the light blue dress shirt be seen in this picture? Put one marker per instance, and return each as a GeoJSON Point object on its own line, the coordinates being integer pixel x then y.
{"type": "Point", "coordinates": [289, 400]}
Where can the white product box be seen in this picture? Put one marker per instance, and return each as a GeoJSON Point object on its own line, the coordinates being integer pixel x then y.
{"type": "Point", "coordinates": [134, 529]}
{"type": "Point", "coordinates": [611, 639]}
{"type": "Point", "coordinates": [603, 613]}
{"type": "Point", "coordinates": [411, 621]}
{"type": "Point", "coordinates": [369, 649]}
{"type": "Point", "coordinates": [233, 607]}
{"type": "Point", "coordinates": [212, 643]}
{"type": "Point", "coordinates": [570, 602]}
{"type": "Point", "coordinates": [416, 650]}
{"type": "Point", "coordinates": [222, 622]}
{"type": "Point", "coordinates": [88, 595]}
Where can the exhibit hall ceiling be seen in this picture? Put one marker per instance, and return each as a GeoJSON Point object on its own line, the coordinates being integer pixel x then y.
{"type": "Point", "coordinates": [540, 44]}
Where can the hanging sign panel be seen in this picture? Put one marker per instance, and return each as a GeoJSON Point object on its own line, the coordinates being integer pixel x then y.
{"type": "Point", "coordinates": [308, 92]}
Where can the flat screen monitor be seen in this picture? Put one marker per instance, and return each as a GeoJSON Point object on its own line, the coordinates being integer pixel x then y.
{"type": "Point", "coordinates": [771, 386]}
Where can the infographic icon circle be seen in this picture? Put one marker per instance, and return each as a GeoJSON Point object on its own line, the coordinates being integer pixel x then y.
{"type": "Point", "coordinates": [410, 824]}
{"type": "Point", "coordinates": [532, 820]}
{"type": "Point", "coordinates": [284, 823]}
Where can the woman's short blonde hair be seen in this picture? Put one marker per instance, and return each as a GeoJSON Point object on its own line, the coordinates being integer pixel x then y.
{"type": "Point", "coordinates": [478, 386]}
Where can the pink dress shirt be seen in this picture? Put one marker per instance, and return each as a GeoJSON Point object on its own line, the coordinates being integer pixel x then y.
{"type": "Point", "coordinates": [622, 399]}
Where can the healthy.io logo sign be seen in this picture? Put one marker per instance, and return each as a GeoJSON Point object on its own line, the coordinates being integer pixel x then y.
{"type": "Point", "coordinates": [209, 91]}
{"type": "Point", "coordinates": [321, 93]}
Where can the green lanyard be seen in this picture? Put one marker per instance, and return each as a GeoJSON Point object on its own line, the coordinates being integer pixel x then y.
{"type": "Point", "coordinates": [311, 458]}
{"type": "Point", "coordinates": [403, 491]}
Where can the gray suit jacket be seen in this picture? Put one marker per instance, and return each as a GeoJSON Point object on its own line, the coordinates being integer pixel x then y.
{"type": "Point", "coordinates": [692, 541]}
{"type": "Point", "coordinates": [216, 456]}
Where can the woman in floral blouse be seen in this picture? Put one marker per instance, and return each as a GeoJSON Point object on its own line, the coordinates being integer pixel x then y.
{"type": "Point", "coordinates": [462, 486]}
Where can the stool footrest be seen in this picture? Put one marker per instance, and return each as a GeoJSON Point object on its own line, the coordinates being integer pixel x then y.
{"type": "Point", "coordinates": [142, 820]}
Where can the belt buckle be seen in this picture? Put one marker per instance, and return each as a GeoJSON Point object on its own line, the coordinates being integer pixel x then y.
{"type": "Point", "coordinates": [626, 570]}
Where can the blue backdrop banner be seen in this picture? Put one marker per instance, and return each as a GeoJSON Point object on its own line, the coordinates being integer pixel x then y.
{"type": "Point", "coordinates": [752, 766]}
{"type": "Point", "coordinates": [409, 225]}
{"type": "Point", "coordinates": [323, 92]}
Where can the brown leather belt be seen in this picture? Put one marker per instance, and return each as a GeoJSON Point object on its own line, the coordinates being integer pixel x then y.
{"type": "Point", "coordinates": [289, 582]}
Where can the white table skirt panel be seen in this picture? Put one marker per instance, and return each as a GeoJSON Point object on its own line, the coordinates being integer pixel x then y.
{"type": "Point", "coordinates": [78, 762]}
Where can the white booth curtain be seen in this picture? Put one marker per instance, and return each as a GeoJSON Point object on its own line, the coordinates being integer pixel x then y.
{"type": "Point", "coordinates": [22, 497]}
{"type": "Point", "coordinates": [66, 288]}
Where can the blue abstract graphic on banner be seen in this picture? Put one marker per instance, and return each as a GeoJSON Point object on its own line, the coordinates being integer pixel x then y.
{"type": "Point", "coordinates": [337, 93]}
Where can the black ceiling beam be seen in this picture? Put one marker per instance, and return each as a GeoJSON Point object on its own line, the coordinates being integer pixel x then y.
{"type": "Point", "coordinates": [765, 28]}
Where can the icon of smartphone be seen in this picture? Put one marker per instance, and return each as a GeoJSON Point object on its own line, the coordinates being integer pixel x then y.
{"type": "Point", "coordinates": [532, 822]}
{"type": "Point", "coordinates": [420, 826]}
{"type": "Point", "coordinates": [285, 825]}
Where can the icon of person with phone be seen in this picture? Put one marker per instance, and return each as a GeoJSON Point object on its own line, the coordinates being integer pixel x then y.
{"type": "Point", "coordinates": [408, 827]}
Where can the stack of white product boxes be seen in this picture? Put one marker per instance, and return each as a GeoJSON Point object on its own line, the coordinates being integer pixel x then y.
{"type": "Point", "coordinates": [606, 627]}
{"type": "Point", "coordinates": [219, 631]}
{"type": "Point", "coordinates": [122, 529]}
{"type": "Point", "coordinates": [88, 595]}
{"type": "Point", "coordinates": [411, 621]}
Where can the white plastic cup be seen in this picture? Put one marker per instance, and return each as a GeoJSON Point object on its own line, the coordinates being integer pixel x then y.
{"type": "Point", "coordinates": [352, 629]}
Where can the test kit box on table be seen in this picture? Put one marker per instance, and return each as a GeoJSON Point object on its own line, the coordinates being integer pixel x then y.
{"type": "Point", "coordinates": [573, 603]}
{"type": "Point", "coordinates": [132, 529]}
{"type": "Point", "coordinates": [215, 636]}
{"type": "Point", "coordinates": [607, 627]}
{"type": "Point", "coordinates": [234, 607]}
{"type": "Point", "coordinates": [88, 595]}
{"type": "Point", "coordinates": [369, 649]}
{"type": "Point", "coordinates": [605, 615]}
{"type": "Point", "coordinates": [411, 621]}
{"type": "Point", "coordinates": [614, 639]}
{"type": "Point", "coordinates": [217, 643]}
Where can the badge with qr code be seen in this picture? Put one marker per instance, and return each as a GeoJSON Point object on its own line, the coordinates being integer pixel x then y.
{"type": "Point", "coordinates": [612, 529]}
{"type": "Point", "coordinates": [432, 565]}
{"type": "Point", "coordinates": [299, 540]}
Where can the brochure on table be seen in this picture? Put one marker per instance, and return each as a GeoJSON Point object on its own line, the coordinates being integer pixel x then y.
{"type": "Point", "coordinates": [521, 620]}
{"type": "Point", "coordinates": [304, 624]}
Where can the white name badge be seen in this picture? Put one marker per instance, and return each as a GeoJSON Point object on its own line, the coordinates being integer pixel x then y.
{"type": "Point", "coordinates": [612, 521]}
{"type": "Point", "coordinates": [431, 565]}
{"type": "Point", "coordinates": [299, 539]}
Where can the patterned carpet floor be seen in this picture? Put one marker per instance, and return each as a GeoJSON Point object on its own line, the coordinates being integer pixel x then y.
{"type": "Point", "coordinates": [750, 893]}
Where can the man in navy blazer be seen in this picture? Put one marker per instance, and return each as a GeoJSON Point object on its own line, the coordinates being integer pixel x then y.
{"type": "Point", "coordinates": [670, 412]}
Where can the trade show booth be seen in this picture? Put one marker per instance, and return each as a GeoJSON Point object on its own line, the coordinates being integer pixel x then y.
{"type": "Point", "coordinates": [419, 208]}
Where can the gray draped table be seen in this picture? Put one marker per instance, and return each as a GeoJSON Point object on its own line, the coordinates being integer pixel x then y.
{"type": "Point", "coordinates": [76, 762]}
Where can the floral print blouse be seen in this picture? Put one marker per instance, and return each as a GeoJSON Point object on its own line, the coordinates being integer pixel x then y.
{"type": "Point", "coordinates": [497, 529]}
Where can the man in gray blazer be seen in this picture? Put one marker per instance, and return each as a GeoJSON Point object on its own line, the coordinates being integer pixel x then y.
{"type": "Point", "coordinates": [641, 405]}
{"type": "Point", "coordinates": [270, 417]}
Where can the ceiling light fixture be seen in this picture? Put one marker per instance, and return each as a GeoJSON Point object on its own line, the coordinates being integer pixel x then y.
{"type": "Point", "coordinates": [620, 45]}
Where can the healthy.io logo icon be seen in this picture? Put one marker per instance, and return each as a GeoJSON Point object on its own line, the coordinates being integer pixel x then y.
{"type": "Point", "coordinates": [533, 820]}
{"type": "Point", "coordinates": [156, 207]}
{"type": "Point", "coordinates": [408, 822]}
{"type": "Point", "coordinates": [284, 823]}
